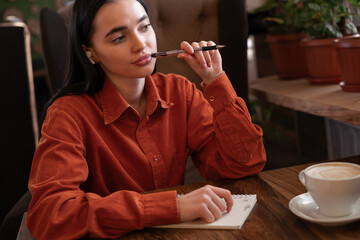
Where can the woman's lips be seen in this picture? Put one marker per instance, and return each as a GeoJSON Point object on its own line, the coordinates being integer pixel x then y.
{"type": "Point", "coordinates": [143, 60]}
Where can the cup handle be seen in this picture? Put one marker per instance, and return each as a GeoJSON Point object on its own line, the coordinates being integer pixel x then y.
{"type": "Point", "coordinates": [302, 177]}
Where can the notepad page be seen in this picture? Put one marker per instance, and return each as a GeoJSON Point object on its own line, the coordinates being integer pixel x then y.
{"type": "Point", "coordinates": [243, 204]}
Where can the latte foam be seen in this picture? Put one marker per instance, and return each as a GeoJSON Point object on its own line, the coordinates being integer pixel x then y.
{"type": "Point", "coordinates": [334, 171]}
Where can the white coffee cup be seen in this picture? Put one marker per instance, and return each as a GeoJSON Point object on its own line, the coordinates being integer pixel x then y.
{"type": "Point", "coordinates": [335, 187]}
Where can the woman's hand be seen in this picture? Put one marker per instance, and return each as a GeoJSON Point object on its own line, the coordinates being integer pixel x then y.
{"type": "Point", "coordinates": [207, 64]}
{"type": "Point", "coordinates": [207, 203]}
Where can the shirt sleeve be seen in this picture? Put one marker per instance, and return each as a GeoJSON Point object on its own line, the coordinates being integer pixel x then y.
{"type": "Point", "coordinates": [59, 209]}
{"type": "Point", "coordinates": [223, 141]}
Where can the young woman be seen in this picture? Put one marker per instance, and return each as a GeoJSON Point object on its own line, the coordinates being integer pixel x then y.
{"type": "Point", "coordinates": [115, 132]}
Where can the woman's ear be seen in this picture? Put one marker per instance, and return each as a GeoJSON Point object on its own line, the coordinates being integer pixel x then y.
{"type": "Point", "coordinates": [89, 54]}
{"type": "Point", "coordinates": [90, 57]}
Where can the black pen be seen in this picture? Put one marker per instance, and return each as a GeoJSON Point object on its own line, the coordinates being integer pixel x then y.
{"type": "Point", "coordinates": [176, 52]}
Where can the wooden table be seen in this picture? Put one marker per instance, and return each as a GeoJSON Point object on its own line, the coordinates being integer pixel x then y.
{"type": "Point", "coordinates": [321, 100]}
{"type": "Point", "coordinates": [270, 218]}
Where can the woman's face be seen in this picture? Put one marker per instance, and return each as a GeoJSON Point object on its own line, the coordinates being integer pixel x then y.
{"type": "Point", "coordinates": [123, 40]}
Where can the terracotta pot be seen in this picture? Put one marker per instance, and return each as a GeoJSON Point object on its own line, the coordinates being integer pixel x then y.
{"type": "Point", "coordinates": [322, 61]}
{"type": "Point", "coordinates": [348, 50]}
{"type": "Point", "coordinates": [288, 55]}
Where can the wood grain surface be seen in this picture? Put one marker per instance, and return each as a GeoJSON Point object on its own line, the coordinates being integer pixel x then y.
{"type": "Point", "coordinates": [300, 95]}
{"type": "Point", "coordinates": [270, 218]}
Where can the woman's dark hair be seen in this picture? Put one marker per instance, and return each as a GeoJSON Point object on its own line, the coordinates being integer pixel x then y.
{"type": "Point", "coordinates": [82, 76]}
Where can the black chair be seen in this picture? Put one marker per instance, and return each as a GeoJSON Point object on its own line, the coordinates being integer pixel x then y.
{"type": "Point", "coordinates": [10, 226]}
{"type": "Point", "coordinates": [18, 121]}
{"type": "Point", "coordinates": [223, 21]}
{"type": "Point", "coordinates": [54, 38]}
{"type": "Point", "coordinates": [233, 32]}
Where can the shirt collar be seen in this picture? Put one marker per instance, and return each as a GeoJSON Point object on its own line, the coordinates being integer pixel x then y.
{"type": "Point", "coordinates": [153, 97]}
{"type": "Point", "coordinates": [114, 105]}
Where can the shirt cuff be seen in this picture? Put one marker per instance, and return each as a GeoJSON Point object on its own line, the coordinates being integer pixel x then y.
{"type": "Point", "coordinates": [220, 92]}
{"type": "Point", "coordinates": [160, 208]}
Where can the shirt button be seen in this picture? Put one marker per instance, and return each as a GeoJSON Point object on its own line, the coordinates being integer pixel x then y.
{"type": "Point", "coordinates": [156, 158]}
{"type": "Point", "coordinates": [212, 98]}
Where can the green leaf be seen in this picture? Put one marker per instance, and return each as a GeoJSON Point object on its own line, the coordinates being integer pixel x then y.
{"type": "Point", "coordinates": [355, 3]}
{"type": "Point", "coordinates": [351, 27]}
{"type": "Point", "coordinates": [332, 31]}
{"type": "Point", "coordinates": [314, 6]}
{"type": "Point", "coordinates": [327, 18]}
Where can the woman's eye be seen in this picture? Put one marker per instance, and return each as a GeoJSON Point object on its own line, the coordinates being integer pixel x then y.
{"type": "Point", "coordinates": [119, 39]}
{"type": "Point", "coordinates": [146, 27]}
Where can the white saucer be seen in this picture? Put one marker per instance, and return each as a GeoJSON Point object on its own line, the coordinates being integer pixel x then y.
{"type": "Point", "coordinates": [304, 207]}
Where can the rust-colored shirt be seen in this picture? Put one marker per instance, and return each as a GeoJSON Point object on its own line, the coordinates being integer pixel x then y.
{"type": "Point", "coordinates": [96, 156]}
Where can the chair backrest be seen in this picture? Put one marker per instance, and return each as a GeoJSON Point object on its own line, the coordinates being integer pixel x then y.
{"type": "Point", "coordinates": [223, 21]}
{"type": "Point", "coordinates": [18, 118]}
{"type": "Point", "coordinates": [174, 21]}
{"type": "Point", "coordinates": [54, 38]}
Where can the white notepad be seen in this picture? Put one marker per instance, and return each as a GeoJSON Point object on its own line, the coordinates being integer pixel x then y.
{"type": "Point", "coordinates": [243, 204]}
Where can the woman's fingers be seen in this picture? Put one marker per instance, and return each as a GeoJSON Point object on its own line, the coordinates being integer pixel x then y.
{"type": "Point", "coordinates": [225, 195]}
{"type": "Point", "coordinates": [187, 47]}
{"type": "Point", "coordinates": [207, 64]}
{"type": "Point", "coordinates": [207, 54]}
{"type": "Point", "coordinates": [189, 56]}
{"type": "Point", "coordinates": [207, 203]}
{"type": "Point", "coordinates": [208, 211]}
{"type": "Point", "coordinates": [215, 207]}
{"type": "Point", "coordinates": [211, 52]}
{"type": "Point", "coordinates": [215, 211]}
{"type": "Point", "coordinates": [203, 57]}
{"type": "Point", "coordinates": [200, 55]}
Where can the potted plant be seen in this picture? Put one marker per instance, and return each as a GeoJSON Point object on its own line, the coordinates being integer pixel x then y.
{"type": "Point", "coordinates": [284, 35]}
{"type": "Point", "coordinates": [348, 50]}
{"type": "Point", "coordinates": [324, 21]}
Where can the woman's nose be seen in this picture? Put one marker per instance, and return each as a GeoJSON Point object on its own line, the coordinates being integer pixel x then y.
{"type": "Point", "coordinates": [138, 42]}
